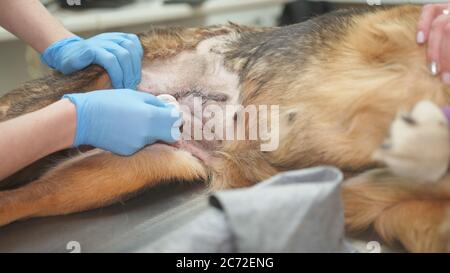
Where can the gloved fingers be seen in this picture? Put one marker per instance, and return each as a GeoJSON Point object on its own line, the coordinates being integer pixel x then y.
{"type": "Point", "coordinates": [176, 121]}
{"type": "Point", "coordinates": [109, 61]}
{"type": "Point", "coordinates": [71, 62]}
{"type": "Point", "coordinates": [175, 134]}
{"type": "Point", "coordinates": [167, 119]}
{"type": "Point", "coordinates": [172, 102]}
{"type": "Point", "coordinates": [170, 135]}
{"type": "Point", "coordinates": [137, 45]}
{"type": "Point", "coordinates": [150, 99]}
{"type": "Point", "coordinates": [179, 122]}
{"type": "Point", "coordinates": [136, 41]}
{"type": "Point", "coordinates": [134, 49]}
{"type": "Point", "coordinates": [145, 97]}
{"type": "Point", "coordinates": [124, 58]}
{"type": "Point", "coordinates": [176, 115]}
{"type": "Point", "coordinates": [59, 55]}
{"type": "Point", "coordinates": [118, 37]}
{"type": "Point", "coordinates": [167, 116]}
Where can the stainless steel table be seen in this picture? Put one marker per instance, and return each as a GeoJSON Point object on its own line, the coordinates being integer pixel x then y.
{"type": "Point", "coordinates": [123, 227]}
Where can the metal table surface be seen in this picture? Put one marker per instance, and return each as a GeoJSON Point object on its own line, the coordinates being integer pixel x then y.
{"type": "Point", "coordinates": [122, 227]}
{"type": "Point", "coordinates": [129, 226]}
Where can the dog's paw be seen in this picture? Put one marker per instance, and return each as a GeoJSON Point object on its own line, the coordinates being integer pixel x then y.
{"type": "Point", "coordinates": [418, 144]}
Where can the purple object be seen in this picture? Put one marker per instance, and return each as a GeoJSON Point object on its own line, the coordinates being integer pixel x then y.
{"type": "Point", "coordinates": [446, 111]}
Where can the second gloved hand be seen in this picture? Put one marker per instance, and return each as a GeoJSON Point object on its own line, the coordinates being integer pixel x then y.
{"type": "Point", "coordinates": [123, 121]}
{"type": "Point", "coordinates": [119, 53]}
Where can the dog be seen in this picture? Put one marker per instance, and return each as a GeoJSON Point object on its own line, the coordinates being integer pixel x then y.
{"type": "Point", "coordinates": [339, 80]}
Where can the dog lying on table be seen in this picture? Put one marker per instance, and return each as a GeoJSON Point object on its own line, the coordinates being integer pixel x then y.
{"type": "Point", "coordinates": [339, 80]}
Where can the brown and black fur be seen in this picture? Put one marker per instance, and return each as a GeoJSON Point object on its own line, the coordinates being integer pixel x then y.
{"type": "Point", "coordinates": [339, 79]}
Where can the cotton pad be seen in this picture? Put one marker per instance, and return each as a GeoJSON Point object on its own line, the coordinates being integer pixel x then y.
{"type": "Point", "coordinates": [169, 99]}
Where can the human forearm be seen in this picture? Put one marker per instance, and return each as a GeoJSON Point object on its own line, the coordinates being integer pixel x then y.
{"type": "Point", "coordinates": [35, 23]}
{"type": "Point", "coordinates": [119, 53]}
{"type": "Point", "coordinates": [30, 137]}
{"type": "Point", "coordinates": [120, 121]}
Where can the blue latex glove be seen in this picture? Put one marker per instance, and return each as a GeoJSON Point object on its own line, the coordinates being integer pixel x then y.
{"type": "Point", "coordinates": [123, 121]}
{"type": "Point", "coordinates": [119, 53]}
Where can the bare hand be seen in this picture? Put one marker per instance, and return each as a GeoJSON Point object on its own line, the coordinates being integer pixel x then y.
{"type": "Point", "coordinates": [434, 29]}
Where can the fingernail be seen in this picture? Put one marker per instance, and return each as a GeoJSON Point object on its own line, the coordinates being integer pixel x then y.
{"type": "Point", "coordinates": [434, 68]}
{"type": "Point", "coordinates": [446, 78]}
{"type": "Point", "coordinates": [420, 38]}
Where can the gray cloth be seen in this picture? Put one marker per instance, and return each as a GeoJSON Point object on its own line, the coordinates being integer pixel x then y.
{"type": "Point", "coordinates": [296, 211]}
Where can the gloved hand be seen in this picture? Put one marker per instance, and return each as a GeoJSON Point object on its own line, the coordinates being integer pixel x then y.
{"type": "Point", "coordinates": [123, 121]}
{"type": "Point", "coordinates": [119, 53]}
